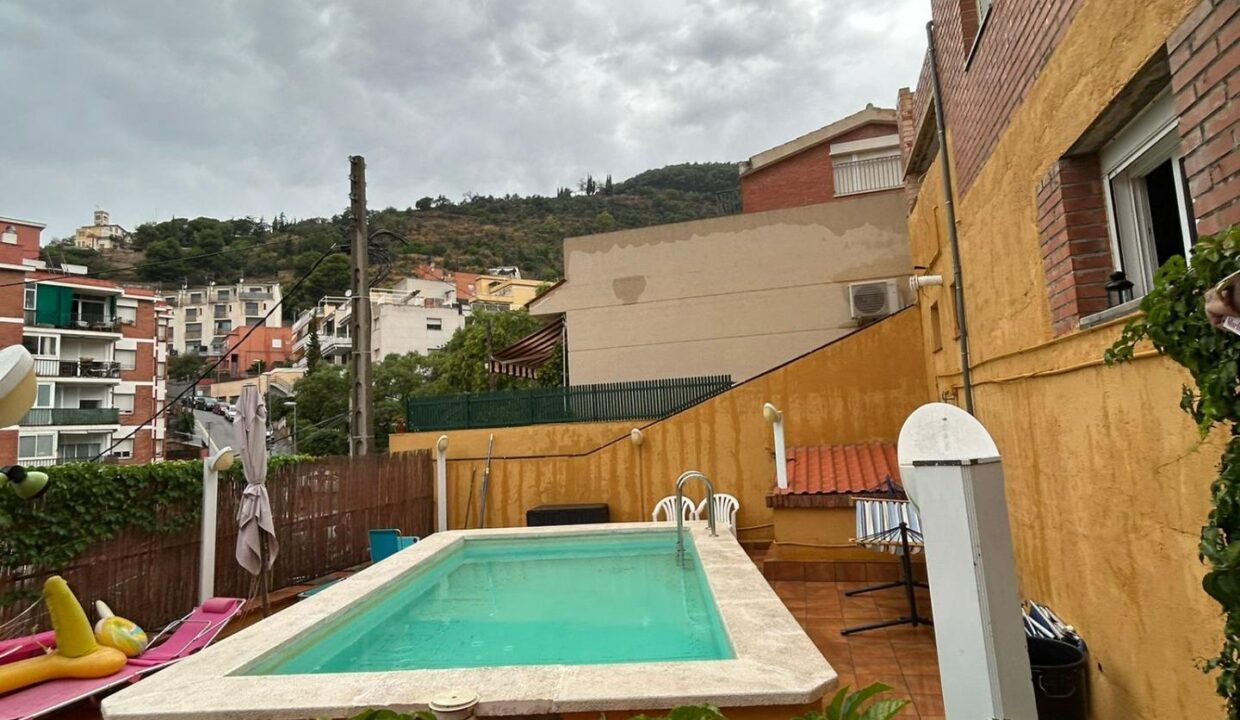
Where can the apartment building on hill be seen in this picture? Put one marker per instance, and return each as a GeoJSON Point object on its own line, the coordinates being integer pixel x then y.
{"type": "Point", "coordinates": [416, 315]}
{"type": "Point", "coordinates": [204, 316]}
{"type": "Point", "coordinates": [100, 365]}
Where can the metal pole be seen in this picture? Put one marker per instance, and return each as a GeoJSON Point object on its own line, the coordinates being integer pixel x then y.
{"type": "Point", "coordinates": [361, 424]}
{"type": "Point", "coordinates": [294, 429]}
{"type": "Point", "coordinates": [210, 501]}
{"type": "Point", "coordinates": [949, 211]}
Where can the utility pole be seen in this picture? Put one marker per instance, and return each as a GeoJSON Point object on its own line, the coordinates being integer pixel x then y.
{"type": "Point", "coordinates": [361, 422]}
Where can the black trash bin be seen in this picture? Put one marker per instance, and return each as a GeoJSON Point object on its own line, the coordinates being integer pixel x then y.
{"type": "Point", "coordinates": [1059, 679]}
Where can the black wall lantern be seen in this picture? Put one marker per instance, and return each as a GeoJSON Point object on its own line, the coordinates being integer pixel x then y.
{"type": "Point", "coordinates": [1119, 289]}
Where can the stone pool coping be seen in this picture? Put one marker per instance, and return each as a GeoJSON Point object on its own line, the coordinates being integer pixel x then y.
{"type": "Point", "coordinates": [776, 663]}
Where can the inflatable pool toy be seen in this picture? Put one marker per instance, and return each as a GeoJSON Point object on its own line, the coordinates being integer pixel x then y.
{"type": "Point", "coordinates": [119, 633]}
{"type": "Point", "coordinates": [77, 654]}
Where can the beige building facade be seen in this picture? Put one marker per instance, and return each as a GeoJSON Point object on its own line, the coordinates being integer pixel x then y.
{"type": "Point", "coordinates": [733, 295]}
{"type": "Point", "coordinates": [102, 234]}
{"type": "Point", "coordinates": [204, 316]}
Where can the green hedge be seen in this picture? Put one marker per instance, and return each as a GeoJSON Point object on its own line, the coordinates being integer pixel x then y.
{"type": "Point", "coordinates": [88, 503]}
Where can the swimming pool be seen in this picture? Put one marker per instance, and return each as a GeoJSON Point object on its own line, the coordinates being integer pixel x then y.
{"type": "Point", "coordinates": [575, 600]}
{"type": "Point", "coordinates": [535, 621]}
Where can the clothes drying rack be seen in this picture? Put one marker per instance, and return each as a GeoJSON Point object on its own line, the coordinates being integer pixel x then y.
{"type": "Point", "coordinates": [890, 524]}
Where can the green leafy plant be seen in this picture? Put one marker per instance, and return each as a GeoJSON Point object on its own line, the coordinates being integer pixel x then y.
{"type": "Point", "coordinates": [392, 715]}
{"type": "Point", "coordinates": [687, 712]}
{"type": "Point", "coordinates": [847, 705]}
{"type": "Point", "coordinates": [1174, 321]}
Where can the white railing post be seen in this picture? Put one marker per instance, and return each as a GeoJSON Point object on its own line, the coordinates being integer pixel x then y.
{"type": "Point", "coordinates": [441, 483]}
{"type": "Point", "coordinates": [953, 474]}
{"type": "Point", "coordinates": [211, 467]}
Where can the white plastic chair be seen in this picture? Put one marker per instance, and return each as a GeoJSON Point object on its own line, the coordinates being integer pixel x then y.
{"type": "Point", "coordinates": [667, 508]}
{"type": "Point", "coordinates": [726, 507]}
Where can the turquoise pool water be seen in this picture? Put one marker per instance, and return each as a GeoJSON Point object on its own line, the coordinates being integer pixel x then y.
{"type": "Point", "coordinates": [575, 600]}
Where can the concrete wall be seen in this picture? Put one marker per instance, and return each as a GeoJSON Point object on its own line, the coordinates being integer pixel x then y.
{"type": "Point", "coordinates": [856, 389]}
{"type": "Point", "coordinates": [1107, 481]}
{"type": "Point", "coordinates": [403, 329]}
{"type": "Point", "coordinates": [733, 295]}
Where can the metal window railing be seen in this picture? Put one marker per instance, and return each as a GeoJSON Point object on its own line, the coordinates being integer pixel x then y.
{"type": "Point", "coordinates": [45, 367]}
{"type": "Point", "coordinates": [729, 201]}
{"type": "Point", "coordinates": [869, 175]}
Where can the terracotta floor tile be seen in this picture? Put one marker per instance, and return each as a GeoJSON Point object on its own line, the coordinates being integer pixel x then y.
{"type": "Point", "coordinates": [909, 711]}
{"type": "Point", "coordinates": [930, 704]}
{"type": "Point", "coordinates": [824, 610]}
{"type": "Point", "coordinates": [923, 684]}
{"type": "Point", "coordinates": [887, 667]}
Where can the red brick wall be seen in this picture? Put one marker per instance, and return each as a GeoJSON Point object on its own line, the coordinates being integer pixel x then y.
{"type": "Point", "coordinates": [802, 179]}
{"type": "Point", "coordinates": [143, 405]}
{"type": "Point", "coordinates": [1076, 250]}
{"type": "Point", "coordinates": [27, 243]}
{"type": "Point", "coordinates": [978, 100]}
{"type": "Point", "coordinates": [8, 447]}
{"type": "Point", "coordinates": [11, 295]}
{"type": "Point", "coordinates": [144, 325]}
{"type": "Point", "coordinates": [1204, 54]}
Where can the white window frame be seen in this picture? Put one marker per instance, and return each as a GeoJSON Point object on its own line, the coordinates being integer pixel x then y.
{"type": "Point", "coordinates": [120, 358]}
{"type": "Point", "coordinates": [437, 327]}
{"type": "Point", "coordinates": [123, 402]}
{"type": "Point", "coordinates": [124, 448]}
{"type": "Point", "coordinates": [36, 438]}
{"type": "Point", "coordinates": [127, 315]}
{"type": "Point", "coordinates": [30, 298]}
{"type": "Point", "coordinates": [50, 402]}
{"type": "Point", "coordinates": [47, 345]}
{"type": "Point", "coordinates": [1145, 143]}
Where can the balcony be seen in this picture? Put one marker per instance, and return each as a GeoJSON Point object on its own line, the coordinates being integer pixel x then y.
{"type": "Point", "coordinates": [247, 295]}
{"type": "Point", "coordinates": [71, 416]}
{"type": "Point", "coordinates": [44, 367]}
{"type": "Point", "coordinates": [869, 175]}
{"type": "Point", "coordinates": [76, 321]}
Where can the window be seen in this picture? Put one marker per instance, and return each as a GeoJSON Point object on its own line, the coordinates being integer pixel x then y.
{"type": "Point", "coordinates": [193, 331]}
{"type": "Point", "coordinates": [80, 451]}
{"type": "Point", "coordinates": [191, 314]}
{"type": "Point", "coordinates": [127, 315]}
{"type": "Point", "coordinates": [36, 446]}
{"type": "Point", "coordinates": [251, 308]}
{"type": "Point", "coordinates": [195, 298]}
{"type": "Point", "coordinates": [124, 448]}
{"type": "Point", "coordinates": [44, 345]}
{"type": "Point", "coordinates": [221, 311]}
{"type": "Point", "coordinates": [123, 402]}
{"type": "Point", "coordinates": [127, 358]}
{"type": "Point", "coordinates": [90, 403]}
{"type": "Point", "coordinates": [936, 327]}
{"type": "Point", "coordinates": [10, 235]}
{"type": "Point", "coordinates": [44, 395]}
{"type": "Point", "coordinates": [434, 324]}
{"type": "Point", "coordinates": [221, 295]}
{"type": "Point", "coordinates": [31, 295]}
{"type": "Point", "coordinates": [277, 343]}
{"type": "Point", "coordinates": [1146, 201]}
{"type": "Point", "coordinates": [223, 327]}
{"type": "Point", "coordinates": [161, 333]}
{"type": "Point", "coordinates": [161, 369]}
{"type": "Point", "coordinates": [865, 170]}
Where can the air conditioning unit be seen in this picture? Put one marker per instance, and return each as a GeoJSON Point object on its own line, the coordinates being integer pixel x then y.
{"type": "Point", "coordinates": [873, 300]}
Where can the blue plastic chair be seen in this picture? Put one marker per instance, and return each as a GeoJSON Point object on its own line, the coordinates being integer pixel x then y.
{"type": "Point", "coordinates": [387, 542]}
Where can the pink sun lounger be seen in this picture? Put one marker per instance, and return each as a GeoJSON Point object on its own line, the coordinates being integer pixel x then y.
{"type": "Point", "coordinates": [192, 633]}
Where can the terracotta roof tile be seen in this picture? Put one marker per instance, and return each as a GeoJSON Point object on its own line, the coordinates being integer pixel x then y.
{"type": "Point", "coordinates": [72, 279]}
{"type": "Point", "coordinates": [839, 469]}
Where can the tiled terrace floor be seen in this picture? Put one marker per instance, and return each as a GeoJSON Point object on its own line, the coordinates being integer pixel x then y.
{"type": "Point", "coordinates": [902, 656]}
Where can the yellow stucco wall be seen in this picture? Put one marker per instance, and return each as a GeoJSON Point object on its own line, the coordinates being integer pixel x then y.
{"type": "Point", "coordinates": [859, 388]}
{"type": "Point", "coordinates": [819, 534]}
{"type": "Point", "coordinates": [1107, 479]}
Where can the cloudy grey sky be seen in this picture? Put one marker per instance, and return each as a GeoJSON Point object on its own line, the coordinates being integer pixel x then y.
{"type": "Point", "coordinates": [230, 108]}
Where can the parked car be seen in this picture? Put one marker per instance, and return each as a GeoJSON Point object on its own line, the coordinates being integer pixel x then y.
{"type": "Point", "coordinates": [230, 412]}
{"type": "Point", "coordinates": [218, 408]}
{"type": "Point", "coordinates": [202, 402]}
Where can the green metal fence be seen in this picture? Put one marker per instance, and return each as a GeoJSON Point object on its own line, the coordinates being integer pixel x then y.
{"type": "Point", "coordinates": [644, 399]}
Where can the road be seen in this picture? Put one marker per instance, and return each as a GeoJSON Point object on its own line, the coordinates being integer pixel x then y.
{"type": "Point", "coordinates": [213, 428]}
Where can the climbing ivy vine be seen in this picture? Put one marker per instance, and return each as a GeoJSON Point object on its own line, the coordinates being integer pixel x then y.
{"type": "Point", "coordinates": [88, 503]}
{"type": "Point", "coordinates": [1174, 320]}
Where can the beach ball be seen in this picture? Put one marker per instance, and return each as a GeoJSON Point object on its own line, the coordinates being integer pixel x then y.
{"type": "Point", "coordinates": [122, 634]}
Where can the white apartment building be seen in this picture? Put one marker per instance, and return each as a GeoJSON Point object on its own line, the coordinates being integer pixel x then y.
{"type": "Point", "coordinates": [203, 316]}
{"type": "Point", "coordinates": [417, 315]}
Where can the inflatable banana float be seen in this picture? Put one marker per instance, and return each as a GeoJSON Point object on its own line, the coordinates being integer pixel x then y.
{"type": "Point", "coordinates": [77, 654]}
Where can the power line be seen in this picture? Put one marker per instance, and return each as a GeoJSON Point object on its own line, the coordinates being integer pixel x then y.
{"type": "Point", "coordinates": [139, 266]}
{"type": "Point", "coordinates": [223, 355]}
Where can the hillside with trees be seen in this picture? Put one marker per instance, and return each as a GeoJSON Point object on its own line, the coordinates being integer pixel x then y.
{"type": "Point", "coordinates": [472, 234]}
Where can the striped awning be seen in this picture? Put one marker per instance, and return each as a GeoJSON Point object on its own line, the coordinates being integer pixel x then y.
{"type": "Point", "coordinates": [879, 521]}
{"type": "Point", "coordinates": [524, 357]}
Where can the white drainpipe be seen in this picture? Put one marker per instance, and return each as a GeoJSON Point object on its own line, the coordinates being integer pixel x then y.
{"type": "Point", "coordinates": [776, 419]}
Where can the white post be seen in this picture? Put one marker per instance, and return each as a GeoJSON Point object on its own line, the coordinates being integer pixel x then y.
{"type": "Point", "coordinates": [211, 467]}
{"type": "Point", "coordinates": [953, 474]}
{"type": "Point", "coordinates": [441, 482]}
{"type": "Point", "coordinates": [776, 419]}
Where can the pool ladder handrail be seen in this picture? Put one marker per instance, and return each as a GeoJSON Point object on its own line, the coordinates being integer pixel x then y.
{"type": "Point", "coordinates": [680, 516]}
